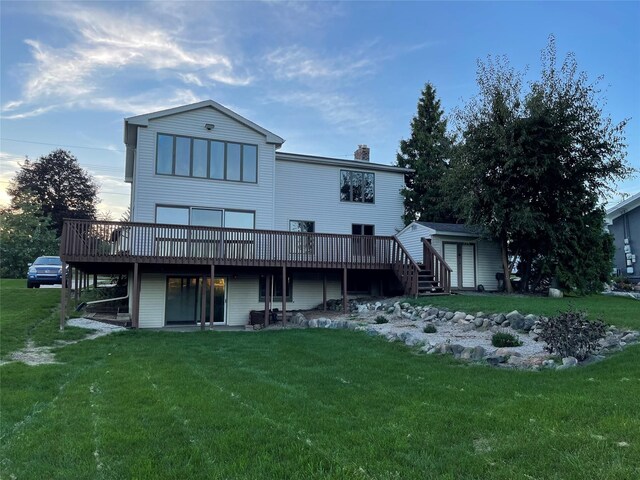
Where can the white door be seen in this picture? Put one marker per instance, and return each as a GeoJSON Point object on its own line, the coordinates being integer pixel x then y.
{"type": "Point", "coordinates": [451, 257]}
{"type": "Point", "coordinates": [468, 265]}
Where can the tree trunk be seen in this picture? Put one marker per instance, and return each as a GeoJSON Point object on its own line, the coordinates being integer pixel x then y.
{"type": "Point", "coordinates": [505, 266]}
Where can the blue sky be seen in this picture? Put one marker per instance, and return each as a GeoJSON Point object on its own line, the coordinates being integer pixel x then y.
{"type": "Point", "coordinates": [324, 76]}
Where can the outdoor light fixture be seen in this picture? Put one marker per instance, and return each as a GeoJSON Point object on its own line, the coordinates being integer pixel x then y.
{"type": "Point", "coordinates": [209, 126]}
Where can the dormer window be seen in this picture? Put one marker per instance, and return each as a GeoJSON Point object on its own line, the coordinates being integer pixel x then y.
{"type": "Point", "coordinates": [201, 158]}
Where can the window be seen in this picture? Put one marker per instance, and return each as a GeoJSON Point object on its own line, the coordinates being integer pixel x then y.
{"type": "Point", "coordinates": [238, 219]}
{"type": "Point", "coordinates": [301, 226]}
{"type": "Point", "coordinates": [357, 186]}
{"type": "Point", "coordinates": [302, 243]}
{"type": "Point", "coordinates": [361, 244]}
{"type": "Point", "coordinates": [205, 217]}
{"type": "Point", "coordinates": [276, 288]}
{"type": "Point", "coordinates": [202, 158]}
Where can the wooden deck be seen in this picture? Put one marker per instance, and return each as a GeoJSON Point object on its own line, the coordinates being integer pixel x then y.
{"type": "Point", "coordinates": [87, 241]}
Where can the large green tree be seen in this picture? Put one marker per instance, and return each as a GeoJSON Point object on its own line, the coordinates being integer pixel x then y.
{"type": "Point", "coordinates": [25, 234]}
{"type": "Point", "coordinates": [533, 169]}
{"type": "Point", "coordinates": [427, 152]}
{"type": "Point", "coordinates": [59, 184]}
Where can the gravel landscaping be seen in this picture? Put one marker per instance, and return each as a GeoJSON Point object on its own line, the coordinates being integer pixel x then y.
{"type": "Point", "coordinates": [465, 336]}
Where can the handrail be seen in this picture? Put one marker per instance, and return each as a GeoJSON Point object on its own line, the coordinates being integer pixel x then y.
{"type": "Point", "coordinates": [435, 263]}
{"type": "Point", "coordinates": [408, 278]}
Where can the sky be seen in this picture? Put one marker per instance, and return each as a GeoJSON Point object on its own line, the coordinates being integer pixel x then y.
{"type": "Point", "coordinates": [324, 76]}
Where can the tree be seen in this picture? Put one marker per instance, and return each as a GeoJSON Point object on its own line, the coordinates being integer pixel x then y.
{"type": "Point", "coordinates": [533, 168]}
{"type": "Point", "coordinates": [57, 183]}
{"type": "Point", "coordinates": [25, 234]}
{"type": "Point", "coordinates": [427, 152]}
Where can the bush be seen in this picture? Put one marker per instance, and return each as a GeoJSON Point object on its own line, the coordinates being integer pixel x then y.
{"type": "Point", "coordinates": [502, 339]}
{"type": "Point", "coordinates": [381, 319]}
{"type": "Point", "coordinates": [430, 329]}
{"type": "Point", "coordinates": [571, 334]}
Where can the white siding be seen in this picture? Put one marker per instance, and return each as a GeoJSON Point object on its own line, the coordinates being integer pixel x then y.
{"type": "Point", "coordinates": [152, 295]}
{"type": "Point", "coordinates": [410, 238]}
{"type": "Point", "coordinates": [243, 294]}
{"type": "Point", "coordinates": [151, 189]}
{"type": "Point", "coordinates": [312, 192]}
{"type": "Point", "coordinates": [489, 260]}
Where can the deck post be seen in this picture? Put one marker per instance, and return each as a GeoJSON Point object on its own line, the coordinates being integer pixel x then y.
{"type": "Point", "coordinates": [211, 319]}
{"type": "Point", "coordinates": [284, 295]}
{"type": "Point", "coordinates": [345, 307]}
{"type": "Point", "coordinates": [63, 296]}
{"type": "Point", "coordinates": [324, 291]}
{"type": "Point", "coordinates": [203, 301]}
{"type": "Point", "coordinates": [135, 304]}
{"type": "Point", "coordinates": [95, 280]}
{"type": "Point", "coordinates": [267, 294]}
{"type": "Point", "coordinates": [76, 293]}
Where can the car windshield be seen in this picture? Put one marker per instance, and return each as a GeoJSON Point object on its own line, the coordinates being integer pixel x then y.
{"type": "Point", "coordinates": [48, 261]}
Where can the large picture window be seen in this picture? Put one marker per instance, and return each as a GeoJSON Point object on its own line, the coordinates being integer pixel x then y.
{"type": "Point", "coordinates": [202, 158]}
{"type": "Point", "coordinates": [357, 186]}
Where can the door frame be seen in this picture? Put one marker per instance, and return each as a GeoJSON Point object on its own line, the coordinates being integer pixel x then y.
{"type": "Point", "coordinates": [459, 262]}
{"type": "Point", "coordinates": [199, 291]}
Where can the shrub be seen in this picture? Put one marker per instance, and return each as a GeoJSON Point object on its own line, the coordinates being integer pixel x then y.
{"type": "Point", "coordinates": [381, 319]}
{"type": "Point", "coordinates": [503, 339]}
{"type": "Point", "coordinates": [571, 334]}
{"type": "Point", "coordinates": [430, 329]}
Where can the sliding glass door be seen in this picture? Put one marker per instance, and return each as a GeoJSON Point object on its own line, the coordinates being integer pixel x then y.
{"type": "Point", "coordinates": [184, 297]}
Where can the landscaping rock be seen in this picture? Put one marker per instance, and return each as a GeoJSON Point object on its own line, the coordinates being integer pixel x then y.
{"type": "Point", "coordinates": [478, 353]}
{"type": "Point", "coordinates": [516, 320]}
{"type": "Point", "coordinates": [496, 359]}
{"type": "Point", "coordinates": [478, 322]}
{"type": "Point", "coordinates": [448, 315]}
{"type": "Point", "coordinates": [530, 321]}
{"type": "Point", "coordinates": [499, 319]}
{"type": "Point", "coordinates": [555, 293]}
{"type": "Point", "coordinates": [630, 337]}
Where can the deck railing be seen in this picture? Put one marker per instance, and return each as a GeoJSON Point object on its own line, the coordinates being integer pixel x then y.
{"type": "Point", "coordinates": [104, 241]}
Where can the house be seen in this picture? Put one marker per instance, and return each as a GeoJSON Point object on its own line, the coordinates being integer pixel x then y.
{"type": "Point", "coordinates": [223, 223]}
{"type": "Point", "coordinates": [623, 222]}
{"type": "Point", "coordinates": [474, 260]}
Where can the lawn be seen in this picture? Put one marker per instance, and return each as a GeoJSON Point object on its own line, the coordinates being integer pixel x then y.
{"type": "Point", "coordinates": [619, 311]}
{"type": "Point", "coordinates": [308, 404]}
{"type": "Point", "coordinates": [30, 314]}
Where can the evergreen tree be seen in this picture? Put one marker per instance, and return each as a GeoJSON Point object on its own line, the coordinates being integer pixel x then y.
{"type": "Point", "coordinates": [427, 152]}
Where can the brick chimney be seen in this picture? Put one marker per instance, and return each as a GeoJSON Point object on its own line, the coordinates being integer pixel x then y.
{"type": "Point", "coordinates": [362, 153]}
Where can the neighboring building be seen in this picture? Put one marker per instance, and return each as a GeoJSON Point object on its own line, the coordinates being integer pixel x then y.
{"type": "Point", "coordinates": [623, 222]}
{"type": "Point", "coordinates": [474, 260]}
{"type": "Point", "coordinates": [211, 197]}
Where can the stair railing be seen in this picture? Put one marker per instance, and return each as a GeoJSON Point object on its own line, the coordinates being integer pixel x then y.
{"type": "Point", "coordinates": [434, 262]}
{"type": "Point", "coordinates": [405, 268]}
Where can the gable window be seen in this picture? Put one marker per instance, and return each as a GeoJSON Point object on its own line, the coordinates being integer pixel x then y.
{"type": "Point", "coordinates": [201, 158]}
{"type": "Point", "coordinates": [276, 288]}
{"type": "Point", "coordinates": [357, 186]}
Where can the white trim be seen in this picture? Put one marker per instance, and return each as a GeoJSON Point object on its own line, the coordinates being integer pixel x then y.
{"type": "Point", "coordinates": [623, 207]}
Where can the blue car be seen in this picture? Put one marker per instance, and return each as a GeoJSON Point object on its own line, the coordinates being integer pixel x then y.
{"type": "Point", "coordinates": [45, 271]}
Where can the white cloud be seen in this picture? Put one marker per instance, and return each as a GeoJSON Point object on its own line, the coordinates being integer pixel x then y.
{"type": "Point", "coordinates": [9, 165]}
{"type": "Point", "coordinates": [296, 62]}
{"type": "Point", "coordinates": [335, 108]}
{"type": "Point", "coordinates": [89, 70]}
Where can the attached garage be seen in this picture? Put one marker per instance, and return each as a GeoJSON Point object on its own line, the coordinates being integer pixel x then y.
{"type": "Point", "coordinates": [474, 260]}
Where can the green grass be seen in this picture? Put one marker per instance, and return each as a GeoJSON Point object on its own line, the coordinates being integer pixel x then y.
{"type": "Point", "coordinates": [30, 314]}
{"type": "Point", "coordinates": [309, 404]}
{"type": "Point", "coordinates": [622, 312]}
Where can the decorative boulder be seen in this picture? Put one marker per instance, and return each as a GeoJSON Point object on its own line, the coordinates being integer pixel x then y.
{"type": "Point", "coordinates": [555, 293]}
{"type": "Point", "coordinates": [516, 320]}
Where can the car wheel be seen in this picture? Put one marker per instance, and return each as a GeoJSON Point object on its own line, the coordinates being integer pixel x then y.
{"type": "Point", "coordinates": [36, 285]}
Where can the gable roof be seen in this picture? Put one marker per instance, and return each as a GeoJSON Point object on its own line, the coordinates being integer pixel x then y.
{"type": "Point", "coordinates": [339, 162]}
{"type": "Point", "coordinates": [143, 120]}
{"type": "Point", "coordinates": [456, 229]}
{"type": "Point", "coordinates": [625, 206]}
